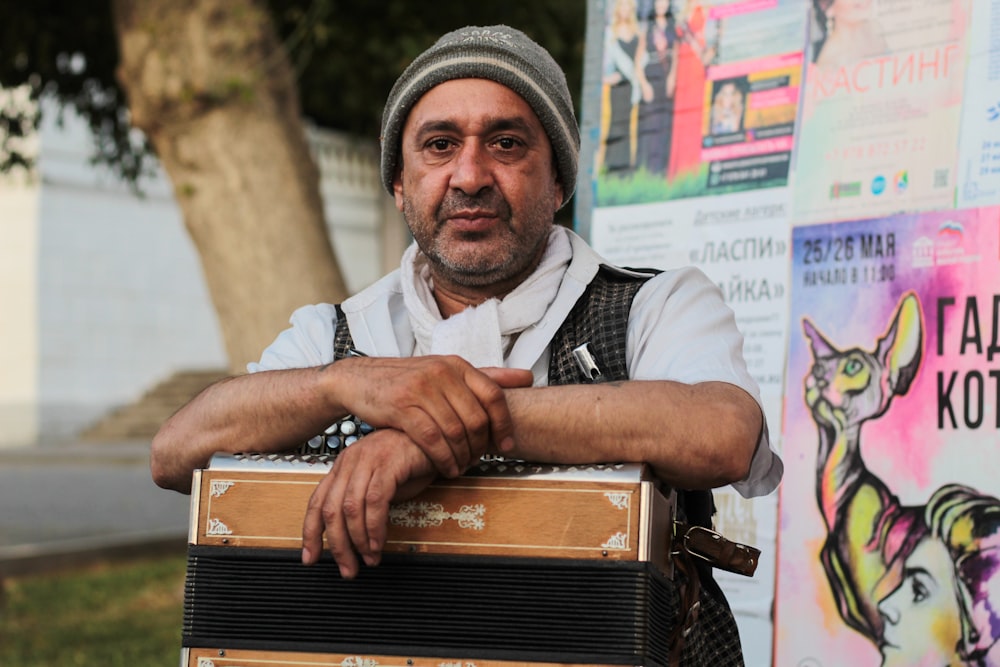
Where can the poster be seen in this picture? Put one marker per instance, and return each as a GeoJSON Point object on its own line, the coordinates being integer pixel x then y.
{"type": "Point", "coordinates": [889, 510]}
{"type": "Point", "coordinates": [697, 98]}
{"type": "Point", "coordinates": [742, 242]}
{"type": "Point", "coordinates": [881, 111]}
{"type": "Point", "coordinates": [979, 150]}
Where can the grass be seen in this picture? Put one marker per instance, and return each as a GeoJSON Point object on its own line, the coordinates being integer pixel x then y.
{"type": "Point", "coordinates": [642, 187]}
{"type": "Point", "coordinates": [117, 615]}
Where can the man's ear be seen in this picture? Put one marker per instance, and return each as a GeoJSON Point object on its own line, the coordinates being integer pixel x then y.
{"type": "Point", "coordinates": [397, 186]}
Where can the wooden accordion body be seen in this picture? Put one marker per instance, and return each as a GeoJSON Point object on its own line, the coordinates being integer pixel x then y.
{"type": "Point", "coordinates": [510, 564]}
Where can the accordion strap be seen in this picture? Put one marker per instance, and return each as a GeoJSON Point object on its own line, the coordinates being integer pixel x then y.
{"type": "Point", "coordinates": [716, 550]}
{"type": "Point", "coordinates": [689, 590]}
{"type": "Point", "coordinates": [697, 542]}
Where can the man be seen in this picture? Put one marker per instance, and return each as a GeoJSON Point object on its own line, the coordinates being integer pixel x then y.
{"type": "Point", "coordinates": [456, 357]}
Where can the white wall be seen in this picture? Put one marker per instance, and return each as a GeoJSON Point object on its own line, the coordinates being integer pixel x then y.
{"type": "Point", "coordinates": [101, 291]}
{"type": "Point", "coordinates": [121, 300]}
{"type": "Point", "coordinates": [369, 234]}
{"type": "Point", "coordinates": [18, 310]}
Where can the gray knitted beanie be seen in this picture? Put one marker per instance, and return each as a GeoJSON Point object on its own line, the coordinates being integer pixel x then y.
{"type": "Point", "coordinates": [501, 54]}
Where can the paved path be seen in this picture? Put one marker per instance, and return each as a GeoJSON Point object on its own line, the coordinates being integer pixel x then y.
{"type": "Point", "coordinates": [64, 506]}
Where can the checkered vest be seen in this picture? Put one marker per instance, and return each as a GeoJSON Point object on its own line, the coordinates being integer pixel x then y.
{"type": "Point", "coordinates": [600, 317]}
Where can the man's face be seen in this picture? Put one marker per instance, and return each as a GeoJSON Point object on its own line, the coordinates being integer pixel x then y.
{"type": "Point", "coordinates": [477, 184]}
{"type": "Point", "coordinates": [922, 626]}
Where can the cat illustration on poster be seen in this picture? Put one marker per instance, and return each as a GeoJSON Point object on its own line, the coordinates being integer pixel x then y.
{"type": "Point", "coordinates": [918, 581]}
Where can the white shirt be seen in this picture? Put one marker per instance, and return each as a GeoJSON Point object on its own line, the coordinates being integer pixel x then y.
{"type": "Point", "coordinates": [679, 328]}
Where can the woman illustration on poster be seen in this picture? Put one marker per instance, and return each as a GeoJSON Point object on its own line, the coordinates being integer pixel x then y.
{"type": "Point", "coordinates": [848, 32]}
{"type": "Point", "coordinates": [695, 51]}
{"type": "Point", "coordinates": [656, 110]}
{"type": "Point", "coordinates": [624, 78]}
{"type": "Point", "coordinates": [728, 106]}
{"type": "Point", "coordinates": [967, 522]}
{"type": "Point", "coordinates": [920, 582]}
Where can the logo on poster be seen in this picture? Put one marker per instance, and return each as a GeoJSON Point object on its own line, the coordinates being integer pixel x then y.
{"type": "Point", "coordinates": [878, 185]}
{"type": "Point", "coordinates": [947, 248]}
{"type": "Point", "coordinates": [950, 246]}
{"type": "Point", "coordinates": [902, 181]}
{"type": "Point", "coordinates": [950, 233]}
{"type": "Point", "coordinates": [839, 190]}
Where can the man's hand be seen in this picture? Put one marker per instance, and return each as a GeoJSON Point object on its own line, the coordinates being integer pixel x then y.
{"type": "Point", "coordinates": [351, 503]}
{"type": "Point", "coordinates": [449, 409]}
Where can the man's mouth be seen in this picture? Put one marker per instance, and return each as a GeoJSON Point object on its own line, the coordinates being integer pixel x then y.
{"type": "Point", "coordinates": [471, 220]}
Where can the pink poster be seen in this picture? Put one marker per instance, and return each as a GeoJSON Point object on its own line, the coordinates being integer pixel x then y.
{"type": "Point", "coordinates": [881, 110]}
{"type": "Point", "coordinates": [889, 533]}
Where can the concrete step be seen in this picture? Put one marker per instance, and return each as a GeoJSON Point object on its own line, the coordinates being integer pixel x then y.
{"type": "Point", "coordinates": [142, 419]}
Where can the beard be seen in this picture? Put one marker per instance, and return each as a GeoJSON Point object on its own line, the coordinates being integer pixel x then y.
{"type": "Point", "coordinates": [478, 259]}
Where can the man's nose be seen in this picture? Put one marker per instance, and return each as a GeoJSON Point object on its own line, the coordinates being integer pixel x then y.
{"type": "Point", "coordinates": [471, 171]}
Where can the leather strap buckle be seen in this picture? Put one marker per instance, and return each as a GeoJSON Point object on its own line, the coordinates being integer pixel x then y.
{"type": "Point", "coordinates": [720, 552]}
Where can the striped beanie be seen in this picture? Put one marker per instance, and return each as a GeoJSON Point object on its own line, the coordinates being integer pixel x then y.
{"type": "Point", "coordinates": [501, 54]}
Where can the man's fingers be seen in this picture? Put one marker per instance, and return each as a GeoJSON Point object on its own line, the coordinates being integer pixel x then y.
{"type": "Point", "coordinates": [355, 511]}
{"type": "Point", "coordinates": [380, 493]}
{"type": "Point", "coordinates": [478, 415]}
{"type": "Point", "coordinates": [509, 378]}
{"type": "Point", "coordinates": [451, 410]}
{"type": "Point", "coordinates": [350, 505]}
{"type": "Point", "coordinates": [489, 387]}
{"type": "Point", "coordinates": [324, 515]}
{"type": "Point", "coordinates": [337, 538]}
{"type": "Point", "coordinates": [467, 435]}
{"type": "Point", "coordinates": [426, 432]}
{"type": "Point", "coordinates": [313, 526]}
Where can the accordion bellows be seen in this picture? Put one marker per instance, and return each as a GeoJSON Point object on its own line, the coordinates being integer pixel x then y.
{"type": "Point", "coordinates": [572, 568]}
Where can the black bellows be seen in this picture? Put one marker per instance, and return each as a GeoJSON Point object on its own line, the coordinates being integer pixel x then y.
{"type": "Point", "coordinates": [526, 609]}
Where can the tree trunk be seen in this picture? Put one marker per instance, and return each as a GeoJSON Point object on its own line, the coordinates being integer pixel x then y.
{"type": "Point", "coordinates": [211, 86]}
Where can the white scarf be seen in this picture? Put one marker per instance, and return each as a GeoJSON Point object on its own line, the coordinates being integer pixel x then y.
{"type": "Point", "coordinates": [481, 334]}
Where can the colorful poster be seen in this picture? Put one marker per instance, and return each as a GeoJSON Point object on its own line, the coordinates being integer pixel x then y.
{"type": "Point", "coordinates": [881, 111]}
{"type": "Point", "coordinates": [742, 242]}
{"type": "Point", "coordinates": [889, 510]}
{"type": "Point", "coordinates": [695, 100]}
{"type": "Point", "coordinates": [979, 150]}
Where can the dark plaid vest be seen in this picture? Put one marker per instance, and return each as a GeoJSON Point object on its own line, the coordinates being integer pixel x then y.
{"type": "Point", "coordinates": [600, 317]}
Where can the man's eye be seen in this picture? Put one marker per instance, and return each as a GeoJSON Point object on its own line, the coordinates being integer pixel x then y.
{"type": "Point", "coordinates": [439, 144]}
{"type": "Point", "coordinates": [507, 143]}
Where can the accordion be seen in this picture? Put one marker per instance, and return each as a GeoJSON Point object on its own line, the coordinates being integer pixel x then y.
{"type": "Point", "coordinates": [511, 564]}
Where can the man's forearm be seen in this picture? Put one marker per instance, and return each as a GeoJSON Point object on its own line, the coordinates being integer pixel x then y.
{"type": "Point", "coordinates": [262, 412]}
{"type": "Point", "coordinates": [444, 405]}
{"type": "Point", "coordinates": [694, 436]}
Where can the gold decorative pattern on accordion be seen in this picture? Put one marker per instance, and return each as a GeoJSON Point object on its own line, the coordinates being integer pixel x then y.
{"type": "Point", "coordinates": [602, 512]}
